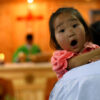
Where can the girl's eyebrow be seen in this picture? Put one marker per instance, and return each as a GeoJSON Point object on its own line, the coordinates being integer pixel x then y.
{"type": "Point", "coordinates": [59, 25]}
{"type": "Point", "coordinates": [72, 19]}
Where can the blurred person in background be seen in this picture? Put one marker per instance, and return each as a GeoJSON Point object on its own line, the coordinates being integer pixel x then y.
{"type": "Point", "coordinates": [25, 52]}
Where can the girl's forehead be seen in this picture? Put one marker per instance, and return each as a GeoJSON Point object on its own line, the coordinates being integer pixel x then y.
{"type": "Point", "coordinates": [65, 17]}
{"type": "Point", "coordinates": [66, 14]}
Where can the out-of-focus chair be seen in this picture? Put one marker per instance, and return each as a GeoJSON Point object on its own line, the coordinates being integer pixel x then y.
{"type": "Point", "coordinates": [6, 89]}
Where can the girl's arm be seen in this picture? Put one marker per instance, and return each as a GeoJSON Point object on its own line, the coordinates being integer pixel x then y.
{"type": "Point", "coordinates": [95, 58]}
{"type": "Point", "coordinates": [83, 58]}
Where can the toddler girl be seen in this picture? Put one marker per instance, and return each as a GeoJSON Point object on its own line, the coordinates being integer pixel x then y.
{"type": "Point", "coordinates": [71, 37]}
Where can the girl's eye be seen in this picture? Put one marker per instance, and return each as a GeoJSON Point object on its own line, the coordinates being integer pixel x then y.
{"type": "Point", "coordinates": [62, 30]}
{"type": "Point", "coordinates": [75, 25]}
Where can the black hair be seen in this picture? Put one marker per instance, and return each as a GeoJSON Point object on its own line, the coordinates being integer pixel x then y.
{"type": "Point", "coordinates": [95, 27]}
{"type": "Point", "coordinates": [29, 36]}
{"type": "Point", "coordinates": [53, 42]}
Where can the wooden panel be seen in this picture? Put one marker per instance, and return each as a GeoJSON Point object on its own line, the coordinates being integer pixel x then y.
{"type": "Point", "coordinates": [30, 80]}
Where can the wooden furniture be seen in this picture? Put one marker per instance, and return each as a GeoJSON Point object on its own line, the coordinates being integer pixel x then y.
{"type": "Point", "coordinates": [6, 89]}
{"type": "Point", "coordinates": [30, 80]}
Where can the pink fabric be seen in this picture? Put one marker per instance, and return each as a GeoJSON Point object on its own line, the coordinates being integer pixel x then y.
{"type": "Point", "coordinates": [60, 57]}
{"type": "Point", "coordinates": [89, 46]}
{"type": "Point", "coordinates": [59, 62]}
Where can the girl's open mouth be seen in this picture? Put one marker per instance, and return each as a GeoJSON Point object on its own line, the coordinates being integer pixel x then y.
{"type": "Point", "coordinates": [73, 43]}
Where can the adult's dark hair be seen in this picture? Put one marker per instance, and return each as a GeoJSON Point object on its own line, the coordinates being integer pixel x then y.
{"type": "Point", "coordinates": [95, 27]}
{"type": "Point", "coordinates": [29, 36]}
{"type": "Point", "coordinates": [53, 42]}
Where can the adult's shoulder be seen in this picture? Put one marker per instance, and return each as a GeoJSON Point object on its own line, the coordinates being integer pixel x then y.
{"type": "Point", "coordinates": [35, 45]}
{"type": "Point", "coordinates": [80, 83]}
{"type": "Point", "coordinates": [22, 47]}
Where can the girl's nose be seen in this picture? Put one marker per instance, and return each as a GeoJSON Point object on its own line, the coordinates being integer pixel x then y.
{"type": "Point", "coordinates": [71, 35]}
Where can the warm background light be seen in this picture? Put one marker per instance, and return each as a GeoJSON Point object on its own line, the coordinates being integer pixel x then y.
{"type": "Point", "coordinates": [2, 56]}
{"type": "Point", "coordinates": [30, 1]}
{"type": "Point", "coordinates": [13, 31]}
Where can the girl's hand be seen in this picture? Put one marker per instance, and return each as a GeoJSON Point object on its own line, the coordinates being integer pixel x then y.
{"type": "Point", "coordinates": [94, 59]}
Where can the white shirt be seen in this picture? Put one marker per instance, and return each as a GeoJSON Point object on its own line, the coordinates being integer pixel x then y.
{"type": "Point", "coordinates": [81, 83]}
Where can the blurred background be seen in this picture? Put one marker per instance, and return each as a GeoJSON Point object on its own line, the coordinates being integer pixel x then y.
{"type": "Point", "coordinates": [32, 81]}
{"type": "Point", "coordinates": [17, 17]}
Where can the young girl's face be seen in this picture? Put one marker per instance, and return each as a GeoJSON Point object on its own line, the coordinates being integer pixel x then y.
{"type": "Point", "coordinates": [69, 32]}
